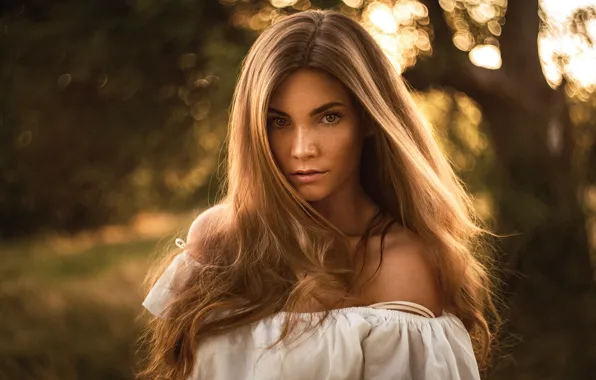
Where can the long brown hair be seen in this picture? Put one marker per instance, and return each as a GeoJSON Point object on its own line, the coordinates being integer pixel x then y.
{"type": "Point", "coordinates": [264, 236]}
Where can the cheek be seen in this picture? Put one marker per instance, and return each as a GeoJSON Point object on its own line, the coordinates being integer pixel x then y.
{"type": "Point", "coordinates": [345, 149]}
{"type": "Point", "coordinates": [278, 145]}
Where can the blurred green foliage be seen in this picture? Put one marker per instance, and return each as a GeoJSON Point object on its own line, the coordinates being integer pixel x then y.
{"type": "Point", "coordinates": [109, 107]}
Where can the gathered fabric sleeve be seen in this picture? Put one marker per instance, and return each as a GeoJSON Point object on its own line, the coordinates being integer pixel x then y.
{"type": "Point", "coordinates": [430, 349]}
{"type": "Point", "coordinates": [353, 344]}
{"type": "Point", "coordinates": [162, 292]}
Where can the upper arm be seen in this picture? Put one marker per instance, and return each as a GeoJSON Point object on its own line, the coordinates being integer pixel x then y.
{"type": "Point", "coordinates": [407, 275]}
{"type": "Point", "coordinates": [201, 227]}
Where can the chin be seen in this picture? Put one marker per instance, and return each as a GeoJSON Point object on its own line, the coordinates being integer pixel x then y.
{"type": "Point", "coordinates": [313, 195]}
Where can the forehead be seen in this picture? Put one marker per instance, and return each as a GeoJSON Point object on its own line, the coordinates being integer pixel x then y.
{"type": "Point", "coordinates": [306, 89]}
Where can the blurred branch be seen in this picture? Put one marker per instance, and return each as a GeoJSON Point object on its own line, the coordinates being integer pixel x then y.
{"type": "Point", "coordinates": [451, 67]}
{"type": "Point", "coordinates": [519, 48]}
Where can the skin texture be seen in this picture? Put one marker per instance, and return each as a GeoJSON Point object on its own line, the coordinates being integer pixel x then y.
{"type": "Point", "coordinates": [330, 140]}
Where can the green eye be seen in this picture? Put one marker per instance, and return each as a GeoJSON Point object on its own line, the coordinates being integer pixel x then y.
{"type": "Point", "coordinates": [273, 122]}
{"type": "Point", "coordinates": [335, 118]}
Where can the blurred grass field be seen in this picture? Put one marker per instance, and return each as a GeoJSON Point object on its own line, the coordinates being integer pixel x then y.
{"type": "Point", "coordinates": [70, 307]}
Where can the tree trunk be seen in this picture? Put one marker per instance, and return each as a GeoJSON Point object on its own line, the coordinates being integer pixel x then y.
{"type": "Point", "coordinates": [551, 299]}
{"type": "Point", "coordinates": [538, 199]}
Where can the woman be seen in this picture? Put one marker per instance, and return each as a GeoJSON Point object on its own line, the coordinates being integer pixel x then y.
{"type": "Point", "coordinates": [345, 246]}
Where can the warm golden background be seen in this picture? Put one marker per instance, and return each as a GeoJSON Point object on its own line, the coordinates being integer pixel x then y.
{"type": "Point", "coordinates": [112, 118]}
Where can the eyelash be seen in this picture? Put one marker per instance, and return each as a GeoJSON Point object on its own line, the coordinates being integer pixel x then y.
{"type": "Point", "coordinates": [338, 114]}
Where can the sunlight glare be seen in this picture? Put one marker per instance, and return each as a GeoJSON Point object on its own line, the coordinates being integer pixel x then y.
{"type": "Point", "coordinates": [546, 50]}
{"type": "Point", "coordinates": [559, 10]}
{"type": "Point", "coordinates": [381, 16]}
{"type": "Point", "coordinates": [487, 56]}
{"type": "Point", "coordinates": [283, 3]}
{"type": "Point", "coordinates": [395, 29]}
{"type": "Point", "coordinates": [482, 13]}
{"type": "Point", "coordinates": [399, 31]}
{"type": "Point", "coordinates": [354, 3]}
{"type": "Point", "coordinates": [463, 40]}
{"type": "Point", "coordinates": [579, 56]}
{"type": "Point", "coordinates": [584, 68]}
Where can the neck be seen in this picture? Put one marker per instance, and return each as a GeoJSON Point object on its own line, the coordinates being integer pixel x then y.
{"type": "Point", "coordinates": [350, 210]}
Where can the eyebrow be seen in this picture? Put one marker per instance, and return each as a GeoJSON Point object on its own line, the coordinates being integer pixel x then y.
{"type": "Point", "coordinates": [314, 112]}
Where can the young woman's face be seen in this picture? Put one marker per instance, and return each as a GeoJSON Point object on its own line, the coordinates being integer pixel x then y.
{"type": "Point", "coordinates": [314, 134]}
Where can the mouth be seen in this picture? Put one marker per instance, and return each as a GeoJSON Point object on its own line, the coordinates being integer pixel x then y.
{"type": "Point", "coordinates": [306, 172]}
{"type": "Point", "coordinates": [307, 176]}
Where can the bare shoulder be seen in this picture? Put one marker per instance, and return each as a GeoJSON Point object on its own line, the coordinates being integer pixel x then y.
{"type": "Point", "coordinates": [202, 225]}
{"type": "Point", "coordinates": [405, 273]}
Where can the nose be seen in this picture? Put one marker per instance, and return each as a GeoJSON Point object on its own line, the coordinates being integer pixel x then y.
{"type": "Point", "coordinates": [303, 144]}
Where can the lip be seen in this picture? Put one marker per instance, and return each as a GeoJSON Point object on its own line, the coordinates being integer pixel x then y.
{"type": "Point", "coordinates": [307, 177]}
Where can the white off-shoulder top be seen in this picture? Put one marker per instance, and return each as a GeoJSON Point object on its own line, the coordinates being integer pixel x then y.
{"type": "Point", "coordinates": [392, 340]}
